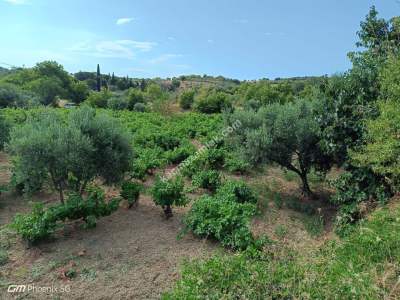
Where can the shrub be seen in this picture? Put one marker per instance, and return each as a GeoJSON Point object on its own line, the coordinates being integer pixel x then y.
{"type": "Point", "coordinates": [41, 223]}
{"type": "Point", "coordinates": [354, 187]}
{"type": "Point", "coordinates": [149, 159]}
{"type": "Point", "coordinates": [212, 102]}
{"type": "Point", "coordinates": [214, 158]}
{"type": "Point", "coordinates": [225, 221]}
{"type": "Point", "coordinates": [117, 103]}
{"type": "Point", "coordinates": [130, 191]}
{"type": "Point", "coordinates": [35, 226]}
{"type": "Point", "coordinates": [209, 179]}
{"type": "Point", "coordinates": [134, 96]}
{"type": "Point", "coordinates": [235, 164]}
{"type": "Point", "coordinates": [236, 191]}
{"type": "Point", "coordinates": [169, 192]}
{"type": "Point", "coordinates": [186, 99]}
{"type": "Point", "coordinates": [4, 131]}
{"type": "Point", "coordinates": [139, 107]}
{"type": "Point", "coordinates": [98, 99]}
{"type": "Point", "coordinates": [180, 153]}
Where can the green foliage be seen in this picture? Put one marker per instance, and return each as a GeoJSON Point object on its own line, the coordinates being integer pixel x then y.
{"type": "Point", "coordinates": [130, 191]}
{"type": "Point", "coordinates": [279, 133]}
{"type": "Point", "coordinates": [277, 198]}
{"type": "Point", "coordinates": [4, 131]}
{"type": "Point", "coordinates": [354, 187]}
{"type": "Point", "coordinates": [234, 164]}
{"type": "Point", "coordinates": [134, 97]}
{"type": "Point", "coordinates": [236, 191]}
{"type": "Point", "coordinates": [41, 223]}
{"type": "Point", "coordinates": [208, 179]}
{"type": "Point", "coordinates": [69, 155]}
{"type": "Point", "coordinates": [382, 151]}
{"type": "Point", "coordinates": [180, 153]}
{"type": "Point", "coordinates": [79, 91]}
{"type": "Point", "coordinates": [35, 226]}
{"type": "Point", "coordinates": [186, 99]}
{"type": "Point", "coordinates": [169, 192]}
{"type": "Point", "coordinates": [99, 99]}
{"type": "Point", "coordinates": [389, 79]}
{"type": "Point", "coordinates": [139, 107]}
{"type": "Point", "coordinates": [265, 93]}
{"type": "Point", "coordinates": [212, 102]}
{"type": "Point", "coordinates": [349, 269]}
{"type": "Point", "coordinates": [13, 96]}
{"type": "Point", "coordinates": [117, 103]}
{"type": "Point", "coordinates": [221, 219]}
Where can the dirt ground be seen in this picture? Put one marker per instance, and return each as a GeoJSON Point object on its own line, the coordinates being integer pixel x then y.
{"type": "Point", "coordinates": [132, 254]}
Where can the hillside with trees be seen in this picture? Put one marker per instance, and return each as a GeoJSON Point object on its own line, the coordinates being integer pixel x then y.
{"type": "Point", "coordinates": [202, 187]}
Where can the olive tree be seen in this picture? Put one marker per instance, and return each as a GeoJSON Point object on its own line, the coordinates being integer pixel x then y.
{"type": "Point", "coordinates": [287, 135]}
{"type": "Point", "coordinates": [69, 155]}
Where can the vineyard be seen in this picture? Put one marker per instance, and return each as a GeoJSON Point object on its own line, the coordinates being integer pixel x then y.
{"type": "Point", "coordinates": [203, 187]}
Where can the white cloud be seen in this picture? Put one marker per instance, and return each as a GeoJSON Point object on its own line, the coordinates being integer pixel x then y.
{"type": "Point", "coordinates": [112, 49]}
{"type": "Point", "coordinates": [164, 57]}
{"type": "Point", "coordinates": [120, 21]}
{"type": "Point", "coordinates": [210, 41]}
{"type": "Point", "coordinates": [171, 38]}
{"type": "Point", "coordinates": [16, 2]}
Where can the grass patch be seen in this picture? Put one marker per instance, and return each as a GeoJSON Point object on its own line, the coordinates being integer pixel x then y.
{"type": "Point", "coordinates": [314, 225]}
{"type": "Point", "coordinates": [349, 269]}
{"type": "Point", "coordinates": [281, 231]}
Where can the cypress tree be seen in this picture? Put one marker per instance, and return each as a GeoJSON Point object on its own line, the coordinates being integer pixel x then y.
{"type": "Point", "coordinates": [98, 80]}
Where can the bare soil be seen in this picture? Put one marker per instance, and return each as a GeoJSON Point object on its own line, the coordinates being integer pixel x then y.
{"type": "Point", "coordinates": [132, 254]}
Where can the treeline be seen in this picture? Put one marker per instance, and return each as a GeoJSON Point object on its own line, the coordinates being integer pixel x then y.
{"type": "Point", "coordinates": [47, 83]}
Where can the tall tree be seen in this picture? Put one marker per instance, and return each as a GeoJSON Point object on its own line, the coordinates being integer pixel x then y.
{"type": "Point", "coordinates": [98, 79]}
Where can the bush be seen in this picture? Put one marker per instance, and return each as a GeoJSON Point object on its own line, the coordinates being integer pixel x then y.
{"type": "Point", "coordinates": [235, 164]}
{"type": "Point", "coordinates": [148, 160]}
{"type": "Point", "coordinates": [214, 158]}
{"type": "Point", "coordinates": [354, 187]}
{"type": "Point", "coordinates": [98, 99]}
{"type": "Point", "coordinates": [139, 107]}
{"type": "Point", "coordinates": [4, 131]}
{"type": "Point", "coordinates": [236, 191]}
{"type": "Point", "coordinates": [117, 103]}
{"type": "Point", "coordinates": [35, 226]}
{"type": "Point", "coordinates": [186, 99]}
{"type": "Point", "coordinates": [134, 97]}
{"type": "Point", "coordinates": [12, 96]}
{"type": "Point", "coordinates": [225, 221]}
{"type": "Point", "coordinates": [130, 191]}
{"type": "Point", "coordinates": [180, 153]}
{"type": "Point", "coordinates": [209, 179]}
{"type": "Point", "coordinates": [41, 223]}
{"type": "Point", "coordinates": [212, 102]}
{"type": "Point", "coordinates": [169, 192]}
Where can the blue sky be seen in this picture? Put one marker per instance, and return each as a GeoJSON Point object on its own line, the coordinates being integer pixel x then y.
{"type": "Point", "coordinates": [148, 38]}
